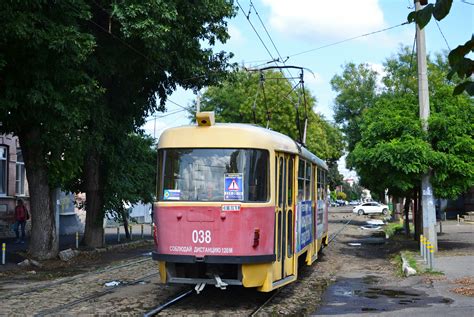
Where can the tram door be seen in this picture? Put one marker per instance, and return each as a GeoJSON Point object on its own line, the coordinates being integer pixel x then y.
{"type": "Point", "coordinates": [284, 218]}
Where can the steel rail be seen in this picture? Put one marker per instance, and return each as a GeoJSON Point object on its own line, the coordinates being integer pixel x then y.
{"type": "Point", "coordinates": [170, 302]}
{"type": "Point", "coordinates": [258, 309]}
{"type": "Point", "coordinates": [95, 295]}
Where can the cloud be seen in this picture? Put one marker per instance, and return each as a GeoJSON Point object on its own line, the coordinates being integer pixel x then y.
{"type": "Point", "coordinates": [318, 19]}
{"type": "Point", "coordinates": [381, 73]}
{"type": "Point", "coordinates": [236, 37]}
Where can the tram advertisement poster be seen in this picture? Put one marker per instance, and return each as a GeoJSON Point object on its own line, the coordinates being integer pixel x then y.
{"type": "Point", "coordinates": [304, 224]}
{"type": "Point", "coordinates": [233, 186]}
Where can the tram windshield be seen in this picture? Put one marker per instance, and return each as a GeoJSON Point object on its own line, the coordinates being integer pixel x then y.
{"type": "Point", "coordinates": [213, 175]}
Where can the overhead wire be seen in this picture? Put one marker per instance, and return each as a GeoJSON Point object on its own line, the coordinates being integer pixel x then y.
{"type": "Point", "coordinates": [442, 34]}
{"type": "Point", "coordinates": [281, 59]}
{"type": "Point", "coordinates": [348, 39]}
{"type": "Point", "coordinates": [255, 30]}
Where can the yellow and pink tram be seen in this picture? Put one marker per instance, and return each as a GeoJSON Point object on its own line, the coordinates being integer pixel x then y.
{"type": "Point", "coordinates": [237, 205]}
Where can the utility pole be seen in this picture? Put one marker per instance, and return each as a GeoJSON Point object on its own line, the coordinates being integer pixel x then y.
{"type": "Point", "coordinates": [427, 201]}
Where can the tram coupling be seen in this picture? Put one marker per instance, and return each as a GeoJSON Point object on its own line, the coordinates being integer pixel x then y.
{"type": "Point", "coordinates": [219, 283]}
{"type": "Point", "coordinates": [199, 287]}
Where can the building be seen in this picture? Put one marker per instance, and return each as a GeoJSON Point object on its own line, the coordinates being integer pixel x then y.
{"type": "Point", "coordinates": [13, 183]}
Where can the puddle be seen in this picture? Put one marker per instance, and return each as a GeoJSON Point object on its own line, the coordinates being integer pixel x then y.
{"type": "Point", "coordinates": [352, 295]}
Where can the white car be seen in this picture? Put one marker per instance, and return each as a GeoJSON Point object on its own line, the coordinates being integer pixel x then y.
{"type": "Point", "coordinates": [370, 208]}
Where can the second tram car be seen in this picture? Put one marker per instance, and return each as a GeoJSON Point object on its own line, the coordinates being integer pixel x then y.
{"type": "Point", "coordinates": [237, 205]}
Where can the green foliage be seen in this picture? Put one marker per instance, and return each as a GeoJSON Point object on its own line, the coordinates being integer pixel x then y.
{"type": "Point", "coordinates": [459, 63]}
{"type": "Point", "coordinates": [341, 195]}
{"type": "Point", "coordinates": [393, 143]}
{"type": "Point", "coordinates": [353, 192]}
{"type": "Point", "coordinates": [132, 172]}
{"type": "Point", "coordinates": [334, 178]}
{"type": "Point", "coordinates": [242, 98]}
{"type": "Point", "coordinates": [356, 91]}
{"type": "Point", "coordinates": [392, 229]}
{"type": "Point", "coordinates": [77, 78]}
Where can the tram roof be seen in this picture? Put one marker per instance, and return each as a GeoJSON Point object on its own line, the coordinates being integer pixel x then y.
{"type": "Point", "coordinates": [233, 135]}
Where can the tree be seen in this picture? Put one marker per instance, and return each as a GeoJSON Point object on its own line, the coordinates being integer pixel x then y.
{"type": "Point", "coordinates": [131, 175]}
{"type": "Point", "coordinates": [76, 77]}
{"type": "Point", "coordinates": [334, 178]}
{"type": "Point", "coordinates": [144, 49]}
{"type": "Point", "coordinates": [356, 90]}
{"type": "Point", "coordinates": [241, 98]}
{"type": "Point", "coordinates": [353, 192]}
{"type": "Point", "coordinates": [394, 145]}
{"type": "Point", "coordinates": [461, 65]}
{"type": "Point", "coordinates": [43, 89]}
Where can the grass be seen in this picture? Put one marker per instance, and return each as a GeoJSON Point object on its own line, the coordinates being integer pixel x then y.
{"type": "Point", "coordinates": [393, 228]}
{"type": "Point", "coordinates": [411, 258]}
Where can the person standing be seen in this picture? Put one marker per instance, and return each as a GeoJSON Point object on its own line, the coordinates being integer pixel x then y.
{"type": "Point", "coordinates": [21, 216]}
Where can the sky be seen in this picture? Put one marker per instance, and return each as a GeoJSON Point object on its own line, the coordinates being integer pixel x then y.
{"type": "Point", "coordinates": [317, 35]}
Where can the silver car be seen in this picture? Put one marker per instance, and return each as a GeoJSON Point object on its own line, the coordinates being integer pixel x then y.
{"type": "Point", "coordinates": [370, 208]}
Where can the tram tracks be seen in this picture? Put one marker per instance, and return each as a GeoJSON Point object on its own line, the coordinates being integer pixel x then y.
{"type": "Point", "coordinates": [175, 299]}
{"type": "Point", "coordinates": [331, 238]}
{"type": "Point", "coordinates": [94, 296]}
{"type": "Point", "coordinates": [73, 278]}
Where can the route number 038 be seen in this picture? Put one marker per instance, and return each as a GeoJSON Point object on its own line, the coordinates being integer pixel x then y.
{"type": "Point", "coordinates": [201, 236]}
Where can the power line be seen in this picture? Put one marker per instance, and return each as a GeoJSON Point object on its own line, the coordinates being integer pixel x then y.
{"type": "Point", "coordinates": [440, 31]}
{"type": "Point", "coordinates": [349, 39]}
{"type": "Point", "coordinates": [255, 30]}
{"type": "Point", "coordinates": [466, 2]}
{"type": "Point", "coordinates": [269, 36]}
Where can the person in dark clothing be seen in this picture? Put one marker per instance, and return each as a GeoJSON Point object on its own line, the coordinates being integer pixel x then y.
{"type": "Point", "coordinates": [21, 216]}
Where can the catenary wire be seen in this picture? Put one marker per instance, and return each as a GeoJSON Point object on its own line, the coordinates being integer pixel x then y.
{"type": "Point", "coordinates": [271, 40]}
{"type": "Point", "coordinates": [348, 39]}
{"type": "Point", "coordinates": [255, 30]}
{"type": "Point", "coordinates": [442, 34]}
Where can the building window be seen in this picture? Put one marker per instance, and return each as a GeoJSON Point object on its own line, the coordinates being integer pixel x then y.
{"type": "Point", "coordinates": [20, 173]}
{"type": "Point", "coordinates": [3, 170]}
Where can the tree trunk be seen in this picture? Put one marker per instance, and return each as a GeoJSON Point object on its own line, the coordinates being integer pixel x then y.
{"type": "Point", "coordinates": [406, 211]}
{"type": "Point", "coordinates": [44, 243]}
{"type": "Point", "coordinates": [125, 223]}
{"type": "Point", "coordinates": [94, 232]}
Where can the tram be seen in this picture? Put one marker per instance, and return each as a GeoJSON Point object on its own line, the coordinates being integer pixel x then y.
{"type": "Point", "coordinates": [237, 204]}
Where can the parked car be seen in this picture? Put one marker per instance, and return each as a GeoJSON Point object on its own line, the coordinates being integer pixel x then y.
{"type": "Point", "coordinates": [372, 207]}
{"type": "Point", "coordinates": [341, 202]}
{"type": "Point", "coordinates": [354, 202]}
{"type": "Point", "coordinates": [332, 203]}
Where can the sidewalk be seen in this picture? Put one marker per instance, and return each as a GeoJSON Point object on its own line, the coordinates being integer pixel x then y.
{"type": "Point", "coordinates": [14, 250]}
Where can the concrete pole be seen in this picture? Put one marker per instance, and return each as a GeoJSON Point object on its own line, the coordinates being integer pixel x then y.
{"type": "Point", "coordinates": [427, 200]}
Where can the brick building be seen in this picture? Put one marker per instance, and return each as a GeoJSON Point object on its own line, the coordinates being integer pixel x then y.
{"type": "Point", "coordinates": [13, 183]}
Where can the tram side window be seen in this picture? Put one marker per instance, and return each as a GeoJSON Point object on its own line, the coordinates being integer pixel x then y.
{"type": "Point", "coordinates": [290, 181]}
{"type": "Point", "coordinates": [301, 180]}
{"type": "Point", "coordinates": [308, 181]}
{"type": "Point", "coordinates": [290, 234]}
{"type": "Point", "coordinates": [280, 182]}
{"type": "Point", "coordinates": [320, 184]}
